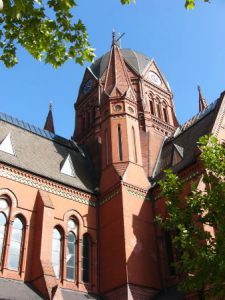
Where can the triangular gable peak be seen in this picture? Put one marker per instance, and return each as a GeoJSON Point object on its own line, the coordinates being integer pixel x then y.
{"type": "Point", "coordinates": [116, 74]}
{"type": "Point", "coordinates": [130, 94]}
{"type": "Point", "coordinates": [7, 145]}
{"type": "Point", "coordinates": [67, 167]}
{"type": "Point", "coordinates": [154, 76]}
{"type": "Point", "coordinates": [89, 83]}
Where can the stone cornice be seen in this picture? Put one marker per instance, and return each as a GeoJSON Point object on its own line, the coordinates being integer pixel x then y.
{"type": "Point", "coordinates": [46, 185]}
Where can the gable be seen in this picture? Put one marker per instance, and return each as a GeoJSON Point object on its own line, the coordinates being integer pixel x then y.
{"type": "Point", "coordinates": [155, 77]}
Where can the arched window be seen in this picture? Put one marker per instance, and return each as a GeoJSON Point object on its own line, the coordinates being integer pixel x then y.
{"type": "Point", "coordinates": [86, 258]}
{"type": "Point", "coordinates": [165, 114]}
{"type": "Point", "coordinates": [15, 248]}
{"type": "Point", "coordinates": [56, 252]}
{"type": "Point", "coordinates": [2, 233]}
{"type": "Point", "coordinates": [71, 256]}
{"type": "Point", "coordinates": [134, 144]}
{"type": "Point", "coordinates": [152, 107]}
{"type": "Point", "coordinates": [119, 137]}
{"type": "Point", "coordinates": [158, 110]}
{"type": "Point", "coordinates": [71, 259]}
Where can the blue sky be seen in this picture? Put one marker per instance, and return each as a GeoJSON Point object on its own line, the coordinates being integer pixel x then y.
{"type": "Point", "coordinates": [188, 46]}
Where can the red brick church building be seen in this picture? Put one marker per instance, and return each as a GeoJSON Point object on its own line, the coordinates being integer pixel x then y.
{"type": "Point", "coordinates": [77, 216]}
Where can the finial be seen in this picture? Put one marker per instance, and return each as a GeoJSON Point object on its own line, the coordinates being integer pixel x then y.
{"type": "Point", "coordinates": [113, 37]}
{"type": "Point", "coordinates": [50, 105]}
{"type": "Point", "coordinates": [202, 101]}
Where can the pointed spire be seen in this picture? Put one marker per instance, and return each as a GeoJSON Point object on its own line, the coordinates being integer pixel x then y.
{"type": "Point", "coordinates": [49, 124]}
{"type": "Point", "coordinates": [117, 80]}
{"type": "Point", "coordinates": [202, 101]}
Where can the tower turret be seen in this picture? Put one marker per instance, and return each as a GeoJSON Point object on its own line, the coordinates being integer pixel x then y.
{"type": "Point", "coordinates": [49, 123]}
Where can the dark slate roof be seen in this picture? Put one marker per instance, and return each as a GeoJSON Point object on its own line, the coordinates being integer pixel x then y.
{"type": "Point", "coordinates": [16, 290]}
{"type": "Point", "coordinates": [185, 140]}
{"type": "Point", "coordinates": [43, 153]}
{"type": "Point", "coordinates": [71, 295]}
{"type": "Point", "coordinates": [134, 59]}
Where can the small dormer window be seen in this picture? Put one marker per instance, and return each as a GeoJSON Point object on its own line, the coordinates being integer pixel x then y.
{"type": "Point", "coordinates": [68, 168]}
{"type": "Point", "coordinates": [7, 145]}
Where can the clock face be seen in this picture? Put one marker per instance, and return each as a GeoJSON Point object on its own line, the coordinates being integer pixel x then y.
{"type": "Point", "coordinates": [88, 86]}
{"type": "Point", "coordinates": [154, 78]}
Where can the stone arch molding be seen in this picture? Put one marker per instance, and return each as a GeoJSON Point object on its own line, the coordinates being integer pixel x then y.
{"type": "Point", "coordinates": [19, 214]}
{"type": "Point", "coordinates": [76, 214]}
{"type": "Point", "coordinates": [10, 195]}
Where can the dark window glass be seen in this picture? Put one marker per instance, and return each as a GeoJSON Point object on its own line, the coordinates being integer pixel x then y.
{"type": "Point", "coordinates": [120, 152]}
{"type": "Point", "coordinates": [15, 245]}
{"type": "Point", "coordinates": [158, 110]}
{"type": "Point", "coordinates": [165, 114]}
{"type": "Point", "coordinates": [152, 108]}
{"type": "Point", "coordinates": [56, 252]}
{"type": "Point", "coordinates": [71, 256]}
{"type": "Point", "coordinates": [86, 251]}
{"type": "Point", "coordinates": [2, 233]}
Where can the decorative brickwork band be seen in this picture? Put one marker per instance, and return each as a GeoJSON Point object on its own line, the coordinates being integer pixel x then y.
{"type": "Point", "coordinates": [45, 185]}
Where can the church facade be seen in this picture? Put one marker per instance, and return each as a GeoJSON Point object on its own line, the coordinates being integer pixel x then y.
{"type": "Point", "coordinates": [77, 217]}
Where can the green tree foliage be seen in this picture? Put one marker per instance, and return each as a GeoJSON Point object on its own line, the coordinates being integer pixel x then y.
{"type": "Point", "coordinates": [201, 253]}
{"type": "Point", "coordinates": [190, 4]}
{"type": "Point", "coordinates": [46, 29]}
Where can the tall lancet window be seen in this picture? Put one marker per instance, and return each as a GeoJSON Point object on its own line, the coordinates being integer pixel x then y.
{"type": "Point", "coordinates": [56, 252]}
{"type": "Point", "coordinates": [4, 213]}
{"type": "Point", "coordinates": [2, 233]}
{"type": "Point", "coordinates": [134, 144]}
{"type": "Point", "coordinates": [71, 256]}
{"type": "Point", "coordinates": [15, 249]}
{"type": "Point", "coordinates": [86, 257]}
{"type": "Point", "coordinates": [106, 147]}
{"type": "Point", "coordinates": [165, 114]}
{"type": "Point", "coordinates": [159, 110]}
{"type": "Point", "coordinates": [152, 107]}
{"type": "Point", "coordinates": [119, 136]}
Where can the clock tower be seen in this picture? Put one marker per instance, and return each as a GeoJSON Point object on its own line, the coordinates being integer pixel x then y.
{"type": "Point", "coordinates": [124, 111]}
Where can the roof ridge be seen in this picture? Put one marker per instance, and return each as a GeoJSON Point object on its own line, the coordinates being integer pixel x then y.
{"type": "Point", "coordinates": [36, 130]}
{"type": "Point", "coordinates": [194, 119]}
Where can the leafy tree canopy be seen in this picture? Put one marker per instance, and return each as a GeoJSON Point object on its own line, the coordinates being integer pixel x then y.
{"type": "Point", "coordinates": [46, 29]}
{"type": "Point", "coordinates": [197, 223]}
